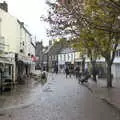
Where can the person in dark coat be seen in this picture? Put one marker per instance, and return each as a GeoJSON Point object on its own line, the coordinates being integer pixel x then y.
{"type": "Point", "coordinates": [67, 71]}
{"type": "Point", "coordinates": [77, 70]}
{"type": "Point", "coordinates": [56, 69]}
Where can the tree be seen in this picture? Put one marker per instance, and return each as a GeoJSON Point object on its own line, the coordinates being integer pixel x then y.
{"type": "Point", "coordinates": [99, 17]}
{"type": "Point", "coordinates": [86, 43]}
{"type": "Point", "coordinates": [104, 20]}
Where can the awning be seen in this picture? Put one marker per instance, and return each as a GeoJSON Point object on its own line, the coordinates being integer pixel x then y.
{"type": "Point", "coordinates": [6, 61]}
{"type": "Point", "coordinates": [25, 59]}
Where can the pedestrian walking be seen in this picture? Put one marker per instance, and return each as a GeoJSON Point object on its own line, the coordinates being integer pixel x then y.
{"type": "Point", "coordinates": [67, 71]}
{"type": "Point", "coordinates": [77, 70]}
{"type": "Point", "coordinates": [56, 69]}
{"type": "Point", "coordinates": [70, 70]}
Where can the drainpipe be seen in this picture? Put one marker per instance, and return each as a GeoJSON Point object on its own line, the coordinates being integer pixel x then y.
{"type": "Point", "coordinates": [0, 27]}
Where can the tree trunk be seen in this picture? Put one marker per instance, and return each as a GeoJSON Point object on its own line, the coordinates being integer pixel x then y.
{"type": "Point", "coordinates": [83, 65]}
{"type": "Point", "coordinates": [94, 71]}
{"type": "Point", "coordinates": [109, 75]}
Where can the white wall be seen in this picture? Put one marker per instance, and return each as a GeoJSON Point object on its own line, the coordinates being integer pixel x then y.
{"type": "Point", "coordinates": [15, 34]}
{"type": "Point", "coordinates": [10, 30]}
{"type": "Point", "coordinates": [69, 57]}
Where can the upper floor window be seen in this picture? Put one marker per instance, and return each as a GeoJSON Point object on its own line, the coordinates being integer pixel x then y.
{"type": "Point", "coordinates": [117, 54]}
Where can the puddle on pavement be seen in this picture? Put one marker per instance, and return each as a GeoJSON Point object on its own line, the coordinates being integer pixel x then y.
{"type": "Point", "coordinates": [39, 80]}
{"type": "Point", "coordinates": [21, 94]}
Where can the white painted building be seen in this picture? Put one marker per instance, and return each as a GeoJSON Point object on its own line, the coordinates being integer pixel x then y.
{"type": "Point", "coordinates": [66, 56]}
{"type": "Point", "coordinates": [116, 64]}
{"type": "Point", "coordinates": [15, 43]}
{"type": "Point", "coordinates": [115, 67]}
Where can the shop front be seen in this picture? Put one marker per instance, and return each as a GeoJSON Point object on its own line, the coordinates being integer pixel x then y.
{"type": "Point", "coordinates": [6, 74]}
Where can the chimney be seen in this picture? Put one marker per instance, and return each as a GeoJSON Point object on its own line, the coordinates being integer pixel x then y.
{"type": "Point", "coordinates": [4, 6]}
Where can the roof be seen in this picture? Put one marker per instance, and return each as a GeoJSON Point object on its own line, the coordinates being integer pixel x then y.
{"type": "Point", "coordinates": [67, 50]}
{"type": "Point", "coordinates": [22, 24]}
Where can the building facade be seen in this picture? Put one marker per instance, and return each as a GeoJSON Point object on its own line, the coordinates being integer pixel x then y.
{"type": "Point", "coordinates": [39, 54]}
{"type": "Point", "coordinates": [16, 47]}
{"type": "Point", "coordinates": [66, 57]}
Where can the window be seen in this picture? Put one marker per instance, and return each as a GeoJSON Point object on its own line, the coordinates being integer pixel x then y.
{"type": "Point", "coordinates": [55, 57]}
{"type": "Point", "coordinates": [79, 55]}
{"type": "Point", "coordinates": [69, 1]}
{"type": "Point", "coordinates": [52, 57]}
{"type": "Point", "coordinates": [61, 57]}
{"type": "Point", "coordinates": [49, 57]}
{"type": "Point", "coordinates": [64, 58]}
{"type": "Point", "coordinates": [117, 54]}
{"type": "Point", "coordinates": [72, 56]}
{"type": "Point", "coordinates": [68, 57]}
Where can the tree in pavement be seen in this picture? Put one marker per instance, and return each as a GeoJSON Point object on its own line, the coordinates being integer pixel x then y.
{"type": "Point", "coordinates": [87, 45]}
{"type": "Point", "coordinates": [101, 17]}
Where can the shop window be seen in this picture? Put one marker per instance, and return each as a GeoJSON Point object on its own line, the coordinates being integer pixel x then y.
{"type": "Point", "coordinates": [10, 70]}
{"type": "Point", "coordinates": [119, 53]}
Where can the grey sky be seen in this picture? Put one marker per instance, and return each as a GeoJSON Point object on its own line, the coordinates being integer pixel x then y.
{"type": "Point", "coordinates": [29, 11]}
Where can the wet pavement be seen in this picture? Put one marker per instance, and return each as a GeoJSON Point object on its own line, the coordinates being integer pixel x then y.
{"type": "Point", "coordinates": [22, 95]}
{"type": "Point", "coordinates": [62, 99]}
{"type": "Point", "coordinates": [109, 95]}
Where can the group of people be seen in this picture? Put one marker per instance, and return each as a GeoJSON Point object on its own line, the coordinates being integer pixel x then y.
{"type": "Point", "coordinates": [70, 70]}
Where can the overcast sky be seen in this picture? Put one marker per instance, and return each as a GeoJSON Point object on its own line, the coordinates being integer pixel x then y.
{"type": "Point", "coordinates": [29, 11]}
